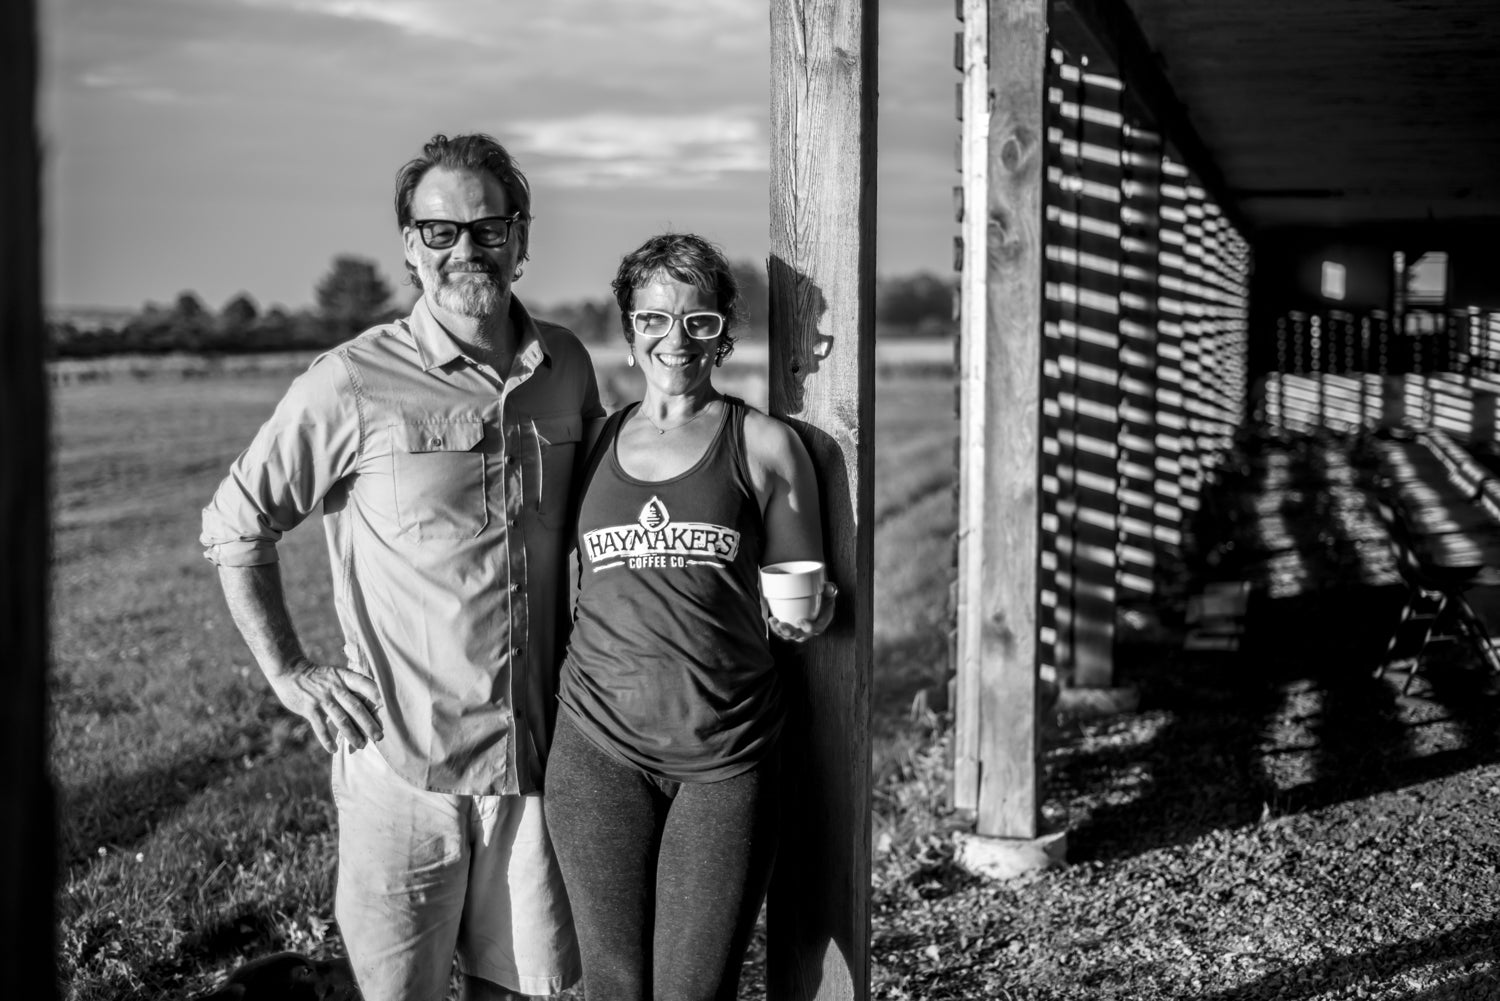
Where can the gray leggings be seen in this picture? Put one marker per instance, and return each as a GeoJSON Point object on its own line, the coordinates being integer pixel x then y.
{"type": "Point", "coordinates": [665, 878]}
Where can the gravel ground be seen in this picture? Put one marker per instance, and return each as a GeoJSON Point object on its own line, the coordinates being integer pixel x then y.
{"type": "Point", "coordinates": [1271, 823]}
{"type": "Point", "coordinates": [1205, 862]}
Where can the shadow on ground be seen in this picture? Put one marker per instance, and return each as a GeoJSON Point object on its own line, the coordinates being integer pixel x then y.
{"type": "Point", "coordinates": [1295, 719]}
{"type": "Point", "coordinates": [1453, 953]}
{"type": "Point", "coordinates": [120, 811]}
{"type": "Point", "coordinates": [1209, 726]}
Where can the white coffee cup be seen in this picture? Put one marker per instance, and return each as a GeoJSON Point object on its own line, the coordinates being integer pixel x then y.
{"type": "Point", "coordinates": [793, 590]}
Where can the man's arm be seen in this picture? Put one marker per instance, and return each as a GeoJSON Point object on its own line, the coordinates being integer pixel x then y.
{"type": "Point", "coordinates": [306, 447]}
{"type": "Point", "coordinates": [335, 701]}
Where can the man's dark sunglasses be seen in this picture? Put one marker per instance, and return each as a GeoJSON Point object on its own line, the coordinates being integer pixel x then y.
{"type": "Point", "coordinates": [489, 232]}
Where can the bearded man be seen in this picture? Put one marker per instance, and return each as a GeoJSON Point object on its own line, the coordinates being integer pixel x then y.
{"type": "Point", "coordinates": [441, 448]}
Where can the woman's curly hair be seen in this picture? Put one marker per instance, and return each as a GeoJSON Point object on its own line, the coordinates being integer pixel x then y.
{"type": "Point", "coordinates": [691, 260]}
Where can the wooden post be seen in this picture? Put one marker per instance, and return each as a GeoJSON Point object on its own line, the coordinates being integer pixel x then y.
{"type": "Point", "coordinates": [973, 329]}
{"type": "Point", "coordinates": [27, 865]}
{"type": "Point", "coordinates": [997, 743]}
{"type": "Point", "coordinates": [822, 379]}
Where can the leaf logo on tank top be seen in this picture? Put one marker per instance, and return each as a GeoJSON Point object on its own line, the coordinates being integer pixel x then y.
{"type": "Point", "coordinates": [656, 541]}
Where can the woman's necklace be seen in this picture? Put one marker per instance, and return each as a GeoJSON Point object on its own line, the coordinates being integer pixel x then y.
{"type": "Point", "coordinates": [661, 430]}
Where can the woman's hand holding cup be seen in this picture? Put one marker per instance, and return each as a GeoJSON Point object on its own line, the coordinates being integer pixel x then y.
{"type": "Point", "coordinates": [796, 600]}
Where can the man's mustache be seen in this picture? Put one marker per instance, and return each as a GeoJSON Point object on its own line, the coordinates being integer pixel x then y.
{"type": "Point", "coordinates": [471, 267]}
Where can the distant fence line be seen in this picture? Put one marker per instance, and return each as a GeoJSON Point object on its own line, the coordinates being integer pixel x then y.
{"type": "Point", "coordinates": [1346, 371]}
{"type": "Point", "coordinates": [1462, 405]}
{"type": "Point", "coordinates": [745, 368]}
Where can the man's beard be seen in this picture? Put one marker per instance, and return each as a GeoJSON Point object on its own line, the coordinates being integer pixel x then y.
{"type": "Point", "coordinates": [465, 292]}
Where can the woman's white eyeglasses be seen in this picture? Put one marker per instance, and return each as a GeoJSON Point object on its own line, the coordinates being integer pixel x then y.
{"type": "Point", "coordinates": [704, 325]}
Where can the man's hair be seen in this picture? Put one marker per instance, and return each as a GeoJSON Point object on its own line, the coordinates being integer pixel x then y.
{"type": "Point", "coordinates": [477, 154]}
{"type": "Point", "coordinates": [691, 260]}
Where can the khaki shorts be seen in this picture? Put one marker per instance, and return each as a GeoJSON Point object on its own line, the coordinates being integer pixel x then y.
{"type": "Point", "coordinates": [425, 875]}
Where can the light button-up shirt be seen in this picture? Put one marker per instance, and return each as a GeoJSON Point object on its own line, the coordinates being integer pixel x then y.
{"type": "Point", "coordinates": [445, 495]}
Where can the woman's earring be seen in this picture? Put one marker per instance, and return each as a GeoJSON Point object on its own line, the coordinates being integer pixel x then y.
{"type": "Point", "coordinates": [630, 360]}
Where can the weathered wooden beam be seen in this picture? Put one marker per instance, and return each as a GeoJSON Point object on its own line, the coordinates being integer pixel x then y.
{"type": "Point", "coordinates": [998, 742]}
{"type": "Point", "coordinates": [822, 379]}
{"type": "Point", "coordinates": [26, 843]}
{"type": "Point", "coordinates": [973, 161]}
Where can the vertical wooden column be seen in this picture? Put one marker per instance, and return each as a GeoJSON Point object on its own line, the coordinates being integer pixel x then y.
{"type": "Point", "coordinates": [1173, 463]}
{"type": "Point", "coordinates": [27, 864]}
{"type": "Point", "coordinates": [1213, 335]}
{"type": "Point", "coordinates": [822, 379]}
{"type": "Point", "coordinates": [1169, 441]}
{"type": "Point", "coordinates": [1368, 418]}
{"type": "Point", "coordinates": [1138, 252]}
{"type": "Point", "coordinates": [1195, 453]}
{"type": "Point", "coordinates": [1057, 583]}
{"type": "Point", "coordinates": [1492, 342]}
{"type": "Point", "coordinates": [1090, 442]}
{"type": "Point", "coordinates": [1234, 315]}
{"type": "Point", "coordinates": [1217, 377]}
{"type": "Point", "coordinates": [973, 58]}
{"type": "Point", "coordinates": [998, 737]}
{"type": "Point", "coordinates": [1080, 371]}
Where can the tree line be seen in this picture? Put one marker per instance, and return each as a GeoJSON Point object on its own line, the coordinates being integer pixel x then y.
{"type": "Point", "coordinates": [353, 295]}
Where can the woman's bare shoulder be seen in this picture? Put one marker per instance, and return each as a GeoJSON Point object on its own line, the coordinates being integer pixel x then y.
{"type": "Point", "coordinates": [771, 444]}
{"type": "Point", "coordinates": [766, 434]}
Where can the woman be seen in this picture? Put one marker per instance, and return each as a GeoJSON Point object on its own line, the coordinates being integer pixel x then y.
{"type": "Point", "coordinates": [663, 776]}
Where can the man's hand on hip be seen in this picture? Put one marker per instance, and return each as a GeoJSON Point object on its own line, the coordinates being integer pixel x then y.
{"type": "Point", "coordinates": [336, 701]}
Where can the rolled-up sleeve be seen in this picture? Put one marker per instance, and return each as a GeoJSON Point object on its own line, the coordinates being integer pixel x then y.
{"type": "Point", "coordinates": [592, 409]}
{"type": "Point", "coordinates": [310, 443]}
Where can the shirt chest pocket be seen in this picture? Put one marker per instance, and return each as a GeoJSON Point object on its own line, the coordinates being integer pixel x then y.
{"type": "Point", "coordinates": [557, 439]}
{"type": "Point", "coordinates": [439, 476]}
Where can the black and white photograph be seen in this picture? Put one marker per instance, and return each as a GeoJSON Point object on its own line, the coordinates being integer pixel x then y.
{"type": "Point", "coordinates": [714, 500]}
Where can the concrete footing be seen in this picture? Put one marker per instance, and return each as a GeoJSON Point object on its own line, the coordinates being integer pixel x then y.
{"type": "Point", "coordinates": [1007, 858]}
{"type": "Point", "coordinates": [1091, 703]}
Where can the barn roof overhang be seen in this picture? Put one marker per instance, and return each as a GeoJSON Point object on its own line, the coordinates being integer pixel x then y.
{"type": "Point", "coordinates": [1379, 117]}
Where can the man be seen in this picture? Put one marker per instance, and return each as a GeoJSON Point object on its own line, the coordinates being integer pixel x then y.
{"type": "Point", "coordinates": [441, 448]}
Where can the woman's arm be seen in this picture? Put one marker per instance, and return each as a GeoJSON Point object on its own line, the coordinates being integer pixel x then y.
{"type": "Point", "coordinates": [786, 485]}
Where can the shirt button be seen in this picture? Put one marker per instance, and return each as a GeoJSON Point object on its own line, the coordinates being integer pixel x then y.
{"type": "Point", "coordinates": [510, 521]}
{"type": "Point", "coordinates": [516, 651]}
{"type": "Point", "coordinates": [434, 442]}
{"type": "Point", "coordinates": [515, 587]}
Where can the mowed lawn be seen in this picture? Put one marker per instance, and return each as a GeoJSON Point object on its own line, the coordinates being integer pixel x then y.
{"type": "Point", "coordinates": [196, 827]}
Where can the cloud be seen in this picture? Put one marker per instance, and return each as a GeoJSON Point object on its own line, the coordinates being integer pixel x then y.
{"type": "Point", "coordinates": [432, 18]}
{"type": "Point", "coordinates": [605, 149]}
{"type": "Point", "coordinates": [124, 83]}
{"type": "Point", "coordinates": [715, 23]}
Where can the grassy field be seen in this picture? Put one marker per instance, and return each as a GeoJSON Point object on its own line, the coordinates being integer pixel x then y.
{"type": "Point", "coordinates": [196, 825]}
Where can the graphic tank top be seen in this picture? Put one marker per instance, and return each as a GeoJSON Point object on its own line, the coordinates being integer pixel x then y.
{"type": "Point", "coordinates": [668, 668]}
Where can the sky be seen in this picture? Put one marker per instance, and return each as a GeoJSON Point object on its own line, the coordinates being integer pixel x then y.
{"type": "Point", "coordinates": [228, 146]}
